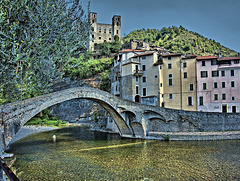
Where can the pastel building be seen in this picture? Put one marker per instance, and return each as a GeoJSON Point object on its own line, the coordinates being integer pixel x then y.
{"type": "Point", "coordinates": [135, 76]}
{"type": "Point", "coordinates": [218, 82]}
{"type": "Point", "coordinates": [178, 82]}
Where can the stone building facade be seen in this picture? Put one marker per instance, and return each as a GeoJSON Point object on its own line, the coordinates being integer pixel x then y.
{"type": "Point", "coordinates": [103, 32]}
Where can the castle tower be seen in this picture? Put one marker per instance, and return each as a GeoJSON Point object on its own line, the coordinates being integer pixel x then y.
{"type": "Point", "coordinates": [116, 24]}
{"type": "Point", "coordinates": [93, 21]}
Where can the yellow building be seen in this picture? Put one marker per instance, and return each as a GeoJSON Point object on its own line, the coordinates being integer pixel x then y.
{"type": "Point", "coordinates": [178, 82]}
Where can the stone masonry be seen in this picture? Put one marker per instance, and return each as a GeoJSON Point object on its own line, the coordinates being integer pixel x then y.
{"type": "Point", "coordinates": [133, 119]}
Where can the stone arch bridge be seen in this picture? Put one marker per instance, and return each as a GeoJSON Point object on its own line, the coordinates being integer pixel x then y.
{"type": "Point", "coordinates": [133, 119]}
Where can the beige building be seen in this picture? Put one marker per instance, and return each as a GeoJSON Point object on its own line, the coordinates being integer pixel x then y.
{"type": "Point", "coordinates": [178, 82]}
{"type": "Point", "coordinates": [103, 32]}
{"type": "Point", "coordinates": [135, 77]}
{"type": "Point", "coordinates": [167, 80]}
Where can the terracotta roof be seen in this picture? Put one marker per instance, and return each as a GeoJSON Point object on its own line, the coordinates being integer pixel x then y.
{"type": "Point", "coordinates": [228, 58]}
{"type": "Point", "coordinates": [206, 57]}
{"type": "Point", "coordinates": [130, 50]}
{"type": "Point", "coordinates": [189, 56]}
{"type": "Point", "coordinates": [172, 54]}
{"type": "Point", "coordinates": [143, 54]}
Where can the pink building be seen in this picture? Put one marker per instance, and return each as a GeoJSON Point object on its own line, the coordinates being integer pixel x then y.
{"type": "Point", "coordinates": [218, 81]}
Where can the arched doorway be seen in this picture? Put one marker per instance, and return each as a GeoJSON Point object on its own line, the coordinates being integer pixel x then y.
{"type": "Point", "coordinates": [137, 98]}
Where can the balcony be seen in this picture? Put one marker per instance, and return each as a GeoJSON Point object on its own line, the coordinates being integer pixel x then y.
{"type": "Point", "coordinates": [138, 73]}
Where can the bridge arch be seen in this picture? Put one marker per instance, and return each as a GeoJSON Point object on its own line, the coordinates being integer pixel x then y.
{"type": "Point", "coordinates": [17, 114]}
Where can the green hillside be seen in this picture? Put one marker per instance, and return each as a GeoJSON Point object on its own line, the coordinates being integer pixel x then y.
{"type": "Point", "coordinates": [180, 40]}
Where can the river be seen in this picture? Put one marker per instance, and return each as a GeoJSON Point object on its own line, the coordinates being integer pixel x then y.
{"type": "Point", "coordinates": [82, 154]}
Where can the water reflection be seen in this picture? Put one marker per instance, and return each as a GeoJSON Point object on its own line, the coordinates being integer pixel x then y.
{"type": "Point", "coordinates": [81, 154]}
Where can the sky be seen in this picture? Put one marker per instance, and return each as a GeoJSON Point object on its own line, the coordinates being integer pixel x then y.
{"type": "Point", "coordinates": [215, 19]}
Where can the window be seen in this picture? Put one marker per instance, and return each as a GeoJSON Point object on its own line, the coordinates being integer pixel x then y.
{"type": "Point", "coordinates": [160, 67]}
{"type": "Point", "coordinates": [170, 82]}
{"type": "Point", "coordinates": [137, 79]}
{"type": "Point", "coordinates": [144, 67]}
{"type": "Point", "coordinates": [232, 73]}
{"type": "Point", "coordinates": [156, 76]}
{"type": "Point", "coordinates": [184, 64]}
{"type": "Point", "coordinates": [99, 38]}
{"type": "Point", "coordinates": [203, 63]}
{"type": "Point", "coordinates": [160, 84]}
{"type": "Point", "coordinates": [169, 58]}
{"type": "Point", "coordinates": [204, 86]}
{"type": "Point", "coordinates": [117, 31]}
{"type": "Point", "coordinates": [110, 39]}
{"type": "Point", "coordinates": [204, 74]}
{"type": "Point", "coordinates": [190, 103]}
{"type": "Point", "coordinates": [144, 91]}
{"type": "Point", "coordinates": [215, 97]}
{"type": "Point", "coordinates": [232, 84]}
{"type": "Point", "coordinates": [215, 73]}
{"type": "Point", "coordinates": [144, 79]}
{"type": "Point", "coordinates": [213, 62]}
{"type": "Point", "coordinates": [170, 96]}
{"type": "Point", "coordinates": [201, 101]}
{"type": "Point", "coordinates": [136, 67]}
{"type": "Point", "coordinates": [143, 57]}
{"type": "Point", "coordinates": [236, 61]}
{"type": "Point", "coordinates": [105, 30]}
{"type": "Point", "coordinates": [116, 88]}
{"type": "Point", "coordinates": [110, 30]}
{"type": "Point", "coordinates": [169, 66]}
{"type": "Point", "coordinates": [191, 87]}
{"type": "Point", "coordinates": [223, 96]}
{"type": "Point", "coordinates": [233, 98]}
{"type": "Point", "coordinates": [185, 75]}
{"type": "Point", "coordinates": [137, 90]}
{"type": "Point", "coordinates": [223, 85]}
{"type": "Point", "coordinates": [215, 85]}
{"type": "Point", "coordinates": [223, 73]}
{"type": "Point", "coordinates": [99, 29]}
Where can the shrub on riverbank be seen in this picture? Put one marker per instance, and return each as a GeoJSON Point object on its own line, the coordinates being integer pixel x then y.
{"type": "Point", "coordinates": [45, 119]}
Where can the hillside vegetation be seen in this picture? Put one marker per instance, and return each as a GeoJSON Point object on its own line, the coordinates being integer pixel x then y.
{"type": "Point", "coordinates": [180, 40]}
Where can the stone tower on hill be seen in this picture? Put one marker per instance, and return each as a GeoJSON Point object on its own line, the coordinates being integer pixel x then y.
{"type": "Point", "coordinates": [103, 32]}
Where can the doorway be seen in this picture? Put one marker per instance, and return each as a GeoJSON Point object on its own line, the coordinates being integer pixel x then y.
{"type": "Point", "coordinates": [234, 109]}
{"type": "Point", "coordinates": [137, 98]}
{"type": "Point", "coordinates": [224, 108]}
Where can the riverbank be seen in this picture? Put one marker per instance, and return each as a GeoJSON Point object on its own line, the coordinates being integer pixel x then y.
{"type": "Point", "coordinates": [195, 136]}
{"type": "Point", "coordinates": [28, 130]}
{"type": "Point", "coordinates": [177, 136]}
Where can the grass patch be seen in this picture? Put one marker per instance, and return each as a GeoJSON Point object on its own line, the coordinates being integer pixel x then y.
{"type": "Point", "coordinates": [46, 120]}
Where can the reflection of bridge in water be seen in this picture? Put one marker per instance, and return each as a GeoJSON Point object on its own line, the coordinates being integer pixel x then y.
{"type": "Point", "coordinates": [133, 119]}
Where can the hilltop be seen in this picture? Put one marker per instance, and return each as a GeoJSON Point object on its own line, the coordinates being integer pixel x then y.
{"type": "Point", "coordinates": [180, 40]}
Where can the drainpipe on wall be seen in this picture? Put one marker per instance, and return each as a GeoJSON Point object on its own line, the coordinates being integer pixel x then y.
{"type": "Point", "coordinates": [181, 82]}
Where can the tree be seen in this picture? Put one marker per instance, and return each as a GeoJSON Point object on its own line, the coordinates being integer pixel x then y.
{"type": "Point", "coordinates": [38, 37]}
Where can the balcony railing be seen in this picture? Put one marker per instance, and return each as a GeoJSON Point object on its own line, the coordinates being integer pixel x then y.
{"type": "Point", "coordinates": [138, 73]}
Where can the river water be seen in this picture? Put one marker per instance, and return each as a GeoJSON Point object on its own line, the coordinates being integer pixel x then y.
{"type": "Point", "coordinates": [81, 154]}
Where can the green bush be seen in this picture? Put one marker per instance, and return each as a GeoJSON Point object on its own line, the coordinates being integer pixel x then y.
{"type": "Point", "coordinates": [46, 120]}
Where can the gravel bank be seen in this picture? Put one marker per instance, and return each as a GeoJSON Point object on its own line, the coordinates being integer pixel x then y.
{"type": "Point", "coordinates": [28, 130]}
